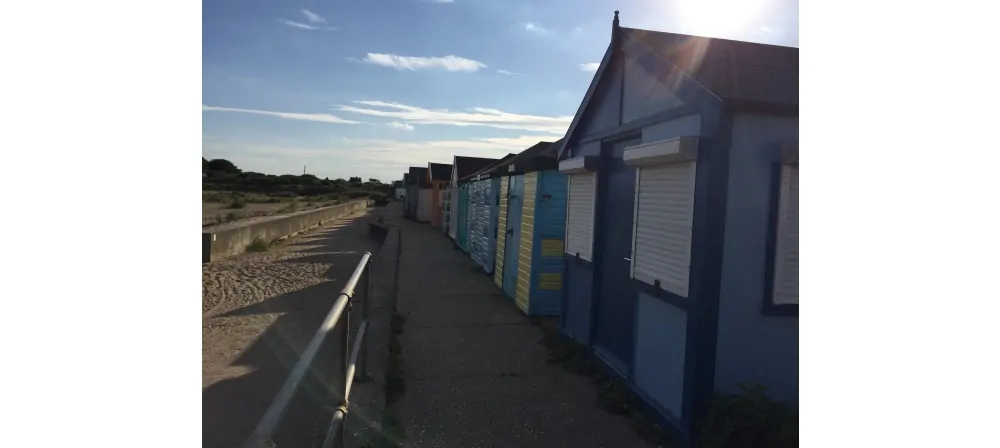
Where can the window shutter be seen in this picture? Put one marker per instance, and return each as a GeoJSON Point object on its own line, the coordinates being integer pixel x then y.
{"type": "Point", "coordinates": [580, 215]}
{"type": "Point", "coordinates": [661, 250]}
{"type": "Point", "coordinates": [786, 260]}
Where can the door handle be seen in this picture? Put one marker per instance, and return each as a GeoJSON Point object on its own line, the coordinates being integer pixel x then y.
{"type": "Point", "coordinates": [628, 259]}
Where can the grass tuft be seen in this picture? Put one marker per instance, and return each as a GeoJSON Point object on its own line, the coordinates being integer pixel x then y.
{"type": "Point", "coordinates": [257, 245]}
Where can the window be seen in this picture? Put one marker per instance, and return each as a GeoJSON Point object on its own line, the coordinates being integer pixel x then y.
{"type": "Point", "coordinates": [664, 212]}
{"type": "Point", "coordinates": [580, 215]}
{"type": "Point", "coordinates": [661, 250]}
{"type": "Point", "coordinates": [785, 286]}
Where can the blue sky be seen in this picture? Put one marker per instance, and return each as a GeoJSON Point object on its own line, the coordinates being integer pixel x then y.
{"type": "Point", "coordinates": [368, 88]}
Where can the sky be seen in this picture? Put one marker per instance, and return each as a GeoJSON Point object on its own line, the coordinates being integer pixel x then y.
{"type": "Point", "coordinates": [370, 87]}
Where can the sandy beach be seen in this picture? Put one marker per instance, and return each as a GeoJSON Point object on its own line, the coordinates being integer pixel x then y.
{"type": "Point", "coordinates": [259, 310]}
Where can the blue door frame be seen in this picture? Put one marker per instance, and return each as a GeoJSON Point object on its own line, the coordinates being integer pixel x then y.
{"type": "Point", "coordinates": [615, 298]}
{"type": "Point", "coordinates": [512, 244]}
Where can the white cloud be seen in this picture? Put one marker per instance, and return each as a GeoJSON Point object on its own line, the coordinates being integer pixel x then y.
{"type": "Point", "coordinates": [449, 63]}
{"type": "Point", "coordinates": [577, 31]}
{"type": "Point", "coordinates": [590, 66]}
{"type": "Point", "coordinates": [535, 28]}
{"type": "Point", "coordinates": [506, 72]}
{"type": "Point", "coordinates": [400, 126]}
{"type": "Point", "coordinates": [476, 117]}
{"type": "Point", "coordinates": [313, 17]}
{"type": "Point", "coordinates": [324, 118]}
{"type": "Point", "coordinates": [306, 26]}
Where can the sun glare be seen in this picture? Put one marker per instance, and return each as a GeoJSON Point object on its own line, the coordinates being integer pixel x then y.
{"type": "Point", "coordinates": [718, 16]}
{"type": "Point", "coordinates": [704, 17]}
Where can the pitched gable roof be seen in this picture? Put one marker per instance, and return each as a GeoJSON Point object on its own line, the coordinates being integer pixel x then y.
{"type": "Point", "coordinates": [418, 176]}
{"type": "Point", "coordinates": [739, 73]}
{"type": "Point", "coordinates": [440, 171]}
{"type": "Point", "coordinates": [541, 155]}
{"type": "Point", "coordinates": [488, 168]}
{"type": "Point", "coordinates": [470, 165]}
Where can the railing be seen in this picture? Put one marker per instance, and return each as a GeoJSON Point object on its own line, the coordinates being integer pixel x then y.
{"type": "Point", "coordinates": [353, 362]}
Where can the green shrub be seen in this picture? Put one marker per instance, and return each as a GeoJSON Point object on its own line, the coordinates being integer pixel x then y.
{"type": "Point", "coordinates": [750, 419]}
{"type": "Point", "coordinates": [257, 245]}
{"type": "Point", "coordinates": [237, 203]}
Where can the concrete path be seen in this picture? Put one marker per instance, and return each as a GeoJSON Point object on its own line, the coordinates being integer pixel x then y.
{"type": "Point", "coordinates": [259, 311]}
{"type": "Point", "coordinates": [475, 368]}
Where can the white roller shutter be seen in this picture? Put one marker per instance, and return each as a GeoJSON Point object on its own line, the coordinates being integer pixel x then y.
{"type": "Point", "coordinates": [786, 260]}
{"type": "Point", "coordinates": [580, 215]}
{"type": "Point", "coordinates": [664, 211]}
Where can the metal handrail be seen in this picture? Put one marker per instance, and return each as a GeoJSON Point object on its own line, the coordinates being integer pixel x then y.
{"type": "Point", "coordinates": [353, 360]}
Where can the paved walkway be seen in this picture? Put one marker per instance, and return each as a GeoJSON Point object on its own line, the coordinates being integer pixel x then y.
{"type": "Point", "coordinates": [475, 367]}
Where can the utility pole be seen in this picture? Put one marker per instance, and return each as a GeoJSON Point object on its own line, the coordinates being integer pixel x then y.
{"type": "Point", "coordinates": [303, 170]}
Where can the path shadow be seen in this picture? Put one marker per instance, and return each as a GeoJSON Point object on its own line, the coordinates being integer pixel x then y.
{"type": "Point", "coordinates": [232, 408]}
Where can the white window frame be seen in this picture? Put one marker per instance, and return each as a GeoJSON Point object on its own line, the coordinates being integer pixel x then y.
{"type": "Point", "coordinates": [679, 150]}
{"type": "Point", "coordinates": [577, 167]}
{"type": "Point", "coordinates": [790, 163]}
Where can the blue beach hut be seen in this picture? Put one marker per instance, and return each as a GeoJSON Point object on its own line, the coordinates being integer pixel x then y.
{"type": "Point", "coordinates": [531, 220]}
{"type": "Point", "coordinates": [681, 249]}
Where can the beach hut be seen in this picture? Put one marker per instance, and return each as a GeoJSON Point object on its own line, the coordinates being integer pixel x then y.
{"type": "Point", "coordinates": [409, 188]}
{"type": "Point", "coordinates": [681, 244]}
{"type": "Point", "coordinates": [462, 208]}
{"type": "Point", "coordinates": [532, 206]}
{"type": "Point", "coordinates": [461, 167]}
{"type": "Point", "coordinates": [484, 201]}
{"type": "Point", "coordinates": [399, 190]}
{"type": "Point", "coordinates": [439, 178]}
{"type": "Point", "coordinates": [419, 195]}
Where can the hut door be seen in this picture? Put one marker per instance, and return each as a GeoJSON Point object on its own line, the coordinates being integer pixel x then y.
{"type": "Point", "coordinates": [616, 298]}
{"type": "Point", "coordinates": [512, 244]}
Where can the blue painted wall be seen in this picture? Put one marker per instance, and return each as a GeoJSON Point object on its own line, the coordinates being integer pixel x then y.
{"type": "Point", "coordinates": [603, 113]}
{"type": "Point", "coordinates": [463, 217]}
{"type": "Point", "coordinates": [659, 352]}
{"type": "Point", "coordinates": [752, 347]}
{"type": "Point", "coordinates": [494, 210]}
{"type": "Point", "coordinates": [512, 244]}
{"type": "Point", "coordinates": [645, 94]}
{"type": "Point", "coordinates": [480, 234]}
{"type": "Point", "coordinates": [547, 262]}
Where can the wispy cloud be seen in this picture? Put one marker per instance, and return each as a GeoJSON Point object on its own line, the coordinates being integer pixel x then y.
{"type": "Point", "coordinates": [316, 22]}
{"type": "Point", "coordinates": [380, 158]}
{"type": "Point", "coordinates": [505, 72]}
{"type": "Point", "coordinates": [536, 28]}
{"type": "Point", "coordinates": [590, 66]}
{"type": "Point", "coordinates": [323, 118]}
{"type": "Point", "coordinates": [306, 26]}
{"type": "Point", "coordinates": [449, 63]}
{"type": "Point", "coordinates": [576, 31]}
{"type": "Point", "coordinates": [313, 17]}
{"type": "Point", "coordinates": [476, 117]}
{"type": "Point", "coordinates": [400, 126]}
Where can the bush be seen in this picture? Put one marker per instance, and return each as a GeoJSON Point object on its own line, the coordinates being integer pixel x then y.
{"type": "Point", "coordinates": [380, 199]}
{"type": "Point", "coordinates": [749, 420]}
{"type": "Point", "coordinates": [238, 203]}
{"type": "Point", "coordinates": [257, 245]}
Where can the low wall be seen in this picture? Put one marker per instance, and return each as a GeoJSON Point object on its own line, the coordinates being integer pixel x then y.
{"type": "Point", "coordinates": [231, 241]}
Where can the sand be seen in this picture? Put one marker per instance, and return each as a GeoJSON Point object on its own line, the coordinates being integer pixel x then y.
{"type": "Point", "coordinates": [259, 310]}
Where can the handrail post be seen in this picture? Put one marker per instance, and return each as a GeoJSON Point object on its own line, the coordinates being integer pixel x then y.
{"type": "Point", "coordinates": [362, 367]}
{"type": "Point", "coordinates": [345, 360]}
